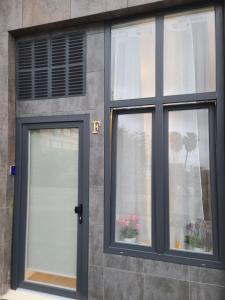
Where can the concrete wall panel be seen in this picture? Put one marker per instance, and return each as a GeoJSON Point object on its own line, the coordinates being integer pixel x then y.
{"type": "Point", "coordinates": [45, 11]}
{"type": "Point", "coordinates": [110, 276]}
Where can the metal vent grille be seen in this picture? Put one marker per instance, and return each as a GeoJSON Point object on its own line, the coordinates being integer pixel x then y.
{"type": "Point", "coordinates": [25, 85]}
{"type": "Point", "coordinates": [76, 48]}
{"type": "Point", "coordinates": [51, 66]}
{"type": "Point", "coordinates": [58, 82]}
{"type": "Point", "coordinates": [24, 66]}
{"type": "Point", "coordinates": [59, 66]}
{"type": "Point", "coordinates": [41, 53]}
{"type": "Point", "coordinates": [76, 80]}
{"type": "Point", "coordinates": [41, 84]}
{"type": "Point", "coordinates": [41, 68]}
{"type": "Point", "coordinates": [59, 51]}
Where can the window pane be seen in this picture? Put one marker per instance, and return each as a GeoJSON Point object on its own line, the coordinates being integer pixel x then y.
{"type": "Point", "coordinates": [189, 181]}
{"type": "Point", "coordinates": [133, 60]}
{"type": "Point", "coordinates": [51, 241]}
{"type": "Point", "coordinates": [189, 53]}
{"type": "Point", "coordinates": [133, 178]}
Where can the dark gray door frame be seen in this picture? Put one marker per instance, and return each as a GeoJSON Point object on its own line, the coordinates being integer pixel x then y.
{"type": "Point", "coordinates": [20, 202]}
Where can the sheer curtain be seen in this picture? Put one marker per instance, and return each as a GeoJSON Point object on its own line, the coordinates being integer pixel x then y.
{"type": "Point", "coordinates": [189, 53]}
{"type": "Point", "coordinates": [133, 60]}
{"type": "Point", "coordinates": [189, 67]}
{"type": "Point", "coordinates": [189, 191]}
{"type": "Point", "coordinates": [133, 184]}
{"type": "Point", "coordinates": [133, 76]}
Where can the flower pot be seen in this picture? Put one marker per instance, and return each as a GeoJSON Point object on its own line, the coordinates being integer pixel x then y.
{"type": "Point", "coordinates": [130, 240]}
{"type": "Point", "coordinates": [198, 250]}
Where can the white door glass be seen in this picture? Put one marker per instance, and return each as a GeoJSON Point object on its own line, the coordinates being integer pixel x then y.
{"type": "Point", "coordinates": [189, 52]}
{"type": "Point", "coordinates": [133, 60]}
{"type": "Point", "coordinates": [190, 215]}
{"type": "Point", "coordinates": [133, 179]}
{"type": "Point", "coordinates": [51, 239]}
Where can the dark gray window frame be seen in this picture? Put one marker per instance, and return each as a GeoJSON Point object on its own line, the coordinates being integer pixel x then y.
{"type": "Point", "coordinates": [20, 203]}
{"type": "Point", "coordinates": [49, 36]}
{"type": "Point", "coordinates": [160, 104]}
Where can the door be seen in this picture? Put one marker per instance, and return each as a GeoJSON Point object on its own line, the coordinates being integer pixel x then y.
{"type": "Point", "coordinates": [51, 206]}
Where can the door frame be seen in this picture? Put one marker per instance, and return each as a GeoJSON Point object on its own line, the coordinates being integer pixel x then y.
{"type": "Point", "coordinates": [23, 125]}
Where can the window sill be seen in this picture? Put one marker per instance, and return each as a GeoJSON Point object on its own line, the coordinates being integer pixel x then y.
{"type": "Point", "coordinates": [178, 257]}
{"type": "Point", "coordinates": [21, 294]}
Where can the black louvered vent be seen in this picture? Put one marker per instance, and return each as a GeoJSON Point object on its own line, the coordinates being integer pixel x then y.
{"type": "Point", "coordinates": [59, 51]}
{"type": "Point", "coordinates": [58, 82]}
{"type": "Point", "coordinates": [51, 66]}
{"type": "Point", "coordinates": [24, 65]}
{"type": "Point", "coordinates": [76, 46]}
{"type": "Point", "coordinates": [41, 68]}
{"type": "Point", "coordinates": [76, 62]}
{"type": "Point", "coordinates": [76, 80]}
{"type": "Point", "coordinates": [59, 66]}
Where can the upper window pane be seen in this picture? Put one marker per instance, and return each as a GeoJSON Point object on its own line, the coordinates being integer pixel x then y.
{"type": "Point", "coordinates": [133, 178]}
{"type": "Point", "coordinates": [133, 60]}
{"type": "Point", "coordinates": [189, 53]}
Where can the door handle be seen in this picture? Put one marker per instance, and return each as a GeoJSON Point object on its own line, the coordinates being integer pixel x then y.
{"type": "Point", "coordinates": [79, 210]}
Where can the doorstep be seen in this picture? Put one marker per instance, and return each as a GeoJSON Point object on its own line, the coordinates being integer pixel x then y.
{"type": "Point", "coordinates": [21, 294]}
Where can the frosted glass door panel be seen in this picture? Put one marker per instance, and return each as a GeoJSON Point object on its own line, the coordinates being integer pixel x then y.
{"type": "Point", "coordinates": [133, 60]}
{"type": "Point", "coordinates": [51, 243]}
{"type": "Point", "coordinates": [189, 53]}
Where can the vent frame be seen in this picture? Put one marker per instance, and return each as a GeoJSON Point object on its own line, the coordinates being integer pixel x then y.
{"type": "Point", "coordinates": [50, 90]}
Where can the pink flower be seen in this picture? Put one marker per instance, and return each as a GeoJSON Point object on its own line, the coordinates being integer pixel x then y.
{"type": "Point", "coordinates": [123, 221]}
{"type": "Point", "coordinates": [126, 223]}
{"type": "Point", "coordinates": [138, 226]}
{"type": "Point", "coordinates": [120, 221]}
{"type": "Point", "coordinates": [133, 218]}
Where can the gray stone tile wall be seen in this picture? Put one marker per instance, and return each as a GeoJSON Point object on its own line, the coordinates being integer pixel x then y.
{"type": "Point", "coordinates": [10, 14]}
{"type": "Point", "coordinates": [16, 14]}
{"type": "Point", "coordinates": [7, 116]}
{"type": "Point", "coordinates": [110, 276]}
{"type": "Point", "coordinates": [160, 280]}
{"type": "Point", "coordinates": [44, 11]}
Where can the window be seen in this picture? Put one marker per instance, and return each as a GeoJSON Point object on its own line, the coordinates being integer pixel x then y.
{"type": "Point", "coordinates": [133, 180]}
{"type": "Point", "coordinates": [164, 138]}
{"type": "Point", "coordinates": [189, 44]}
{"type": "Point", "coordinates": [134, 43]}
{"type": "Point", "coordinates": [190, 218]}
{"type": "Point", "coordinates": [51, 66]}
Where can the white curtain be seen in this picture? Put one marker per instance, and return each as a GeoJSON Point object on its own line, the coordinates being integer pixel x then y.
{"type": "Point", "coordinates": [189, 53]}
{"type": "Point", "coordinates": [133, 60]}
{"type": "Point", "coordinates": [133, 177]}
{"type": "Point", "coordinates": [188, 163]}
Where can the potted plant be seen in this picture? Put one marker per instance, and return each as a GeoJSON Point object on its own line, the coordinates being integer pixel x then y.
{"type": "Point", "coordinates": [198, 236]}
{"type": "Point", "coordinates": [129, 228]}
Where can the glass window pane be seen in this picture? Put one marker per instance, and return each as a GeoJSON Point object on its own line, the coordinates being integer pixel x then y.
{"type": "Point", "coordinates": [51, 242]}
{"type": "Point", "coordinates": [189, 53]}
{"type": "Point", "coordinates": [133, 60]}
{"type": "Point", "coordinates": [190, 213]}
{"type": "Point", "coordinates": [133, 178]}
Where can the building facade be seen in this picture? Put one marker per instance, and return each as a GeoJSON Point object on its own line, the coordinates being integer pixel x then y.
{"type": "Point", "coordinates": [92, 92]}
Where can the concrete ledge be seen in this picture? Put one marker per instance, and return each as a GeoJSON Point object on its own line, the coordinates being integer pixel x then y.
{"type": "Point", "coordinates": [22, 294]}
{"type": "Point", "coordinates": [132, 10]}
